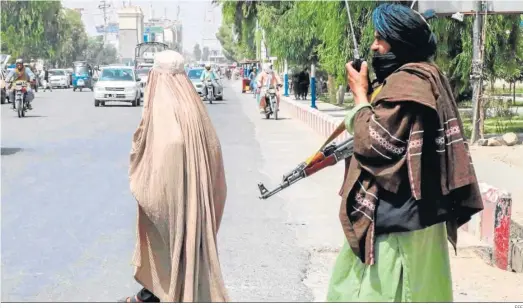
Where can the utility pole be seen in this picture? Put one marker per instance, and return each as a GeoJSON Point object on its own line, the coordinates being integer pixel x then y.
{"type": "Point", "coordinates": [477, 70]}
{"type": "Point", "coordinates": [104, 6]}
{"type": "Point", "coordinates": [151, 13]}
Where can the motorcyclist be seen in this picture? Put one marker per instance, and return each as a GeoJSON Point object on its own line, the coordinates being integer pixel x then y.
{"type": "Point", "coordinates": [267, 78]}
{"type": "Point", "coordinates": [21, 73]}
{"type": "Point", "coordinates": [209, 74]}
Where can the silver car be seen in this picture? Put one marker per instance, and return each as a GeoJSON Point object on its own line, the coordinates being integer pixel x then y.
{"type": "Point", "coordinates": [194, 75]}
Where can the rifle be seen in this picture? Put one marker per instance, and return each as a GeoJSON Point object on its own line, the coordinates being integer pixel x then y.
{"type": "Point", "coordinates": [328, 156]}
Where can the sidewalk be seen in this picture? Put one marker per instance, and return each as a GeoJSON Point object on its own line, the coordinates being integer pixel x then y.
{"type": "Point", "coordinates": [312, 206]}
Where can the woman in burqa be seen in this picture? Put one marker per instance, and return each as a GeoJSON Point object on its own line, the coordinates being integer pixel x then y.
{"type": "Point", "coordinates": [177, 177]}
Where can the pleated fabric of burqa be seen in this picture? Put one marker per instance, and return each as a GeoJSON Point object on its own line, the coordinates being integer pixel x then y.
{"type": "Point", "coordinates": [177, 177]}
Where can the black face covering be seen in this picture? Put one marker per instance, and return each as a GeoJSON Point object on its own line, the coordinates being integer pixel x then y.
{"type": "Point", "coordinates": [384, 65]}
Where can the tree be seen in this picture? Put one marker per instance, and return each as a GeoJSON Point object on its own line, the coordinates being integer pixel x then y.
{"type": "Point", "coordinates": [74, 42]}
{"type": "Point", "coordinates": [205, 54]}
{"type": "Point", "coordinates": [318, 31]}
{"type": "Point", "coordinates": [226, 39]}
{"type": "Point", "coordinates": [31, 29]}
{"type": "Point", "coordinates": [99, 54]}
{"type": "Point", "coordinates": [241, 15]}
{"type": "Point", "coordinates": [197, 52]}
{"type": "Point", "coordinates": [286, 36]}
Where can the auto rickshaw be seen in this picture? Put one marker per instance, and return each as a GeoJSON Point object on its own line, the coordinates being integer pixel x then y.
{"type": "Point", "coordinates": [82, 75]}
{"type": "Point", "coordinates": [246, 66]}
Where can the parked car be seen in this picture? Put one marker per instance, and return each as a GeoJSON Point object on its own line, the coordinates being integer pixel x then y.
{"type": "Point", "coordinates": [117, 83]}
{"type": "Point", "coordinates": [194, 75]}
{"type": "Point", "coordinates": [59, 78]}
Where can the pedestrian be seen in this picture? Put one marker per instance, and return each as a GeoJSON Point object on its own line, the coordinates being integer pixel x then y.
{"type": "Point", "coordinates": [45, 78]}
{"type": "Point", "coordinates": [410, 183]}
{"type": "Point", "coordinates": [304, 81]}
{"type": "Point", "coordinates": [177, 178]}
{"type": "Point", "coordinates": [253, 76]}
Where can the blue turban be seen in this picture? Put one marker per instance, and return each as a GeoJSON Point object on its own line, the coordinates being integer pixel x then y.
{"type": "Point", "coordinates": [406, 31]}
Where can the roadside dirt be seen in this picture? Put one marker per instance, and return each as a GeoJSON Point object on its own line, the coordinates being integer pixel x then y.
{"type": "Point", "coordinates": [502, 167]}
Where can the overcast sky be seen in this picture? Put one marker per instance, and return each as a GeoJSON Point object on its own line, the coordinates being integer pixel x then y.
{"type": "Point", "coordinates": [192, 14]}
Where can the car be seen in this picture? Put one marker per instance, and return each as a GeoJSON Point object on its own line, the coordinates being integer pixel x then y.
{"type": "Point", "coordinates": [143, 73]}
{"type": "Point", "coordinates": [117, 83]}
{"type": "Point", "coordinates": [59, 78]}
{"type": "Point", "coordinates": [194, 75]}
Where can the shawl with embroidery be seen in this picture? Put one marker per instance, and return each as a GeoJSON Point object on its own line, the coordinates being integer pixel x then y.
{"type": "Point", "coordinates": [413, 133]}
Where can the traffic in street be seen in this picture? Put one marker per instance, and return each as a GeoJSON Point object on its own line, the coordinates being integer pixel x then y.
{"type": "Point", "coordinates": [69, 220]}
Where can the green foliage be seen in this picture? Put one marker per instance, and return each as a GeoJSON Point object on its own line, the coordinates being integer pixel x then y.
{"type": "Point", "coordinates": [74, 39]}
{"type": "Point", "coordinates": [318, 31]}
{"type": "Point", "coordinates": [31, 29]}
{"type": "Point", "coordinates": [98, 54]}
{"type": "Point", "coordinates": [229, 47]}
{"type": "Point", "coordinates": [288, 31]}
{"type": "Point", "coordinates": [44, 29]}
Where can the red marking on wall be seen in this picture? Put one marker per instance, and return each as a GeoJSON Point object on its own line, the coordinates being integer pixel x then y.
{"type": "Point", "coordinates": [502, 233]}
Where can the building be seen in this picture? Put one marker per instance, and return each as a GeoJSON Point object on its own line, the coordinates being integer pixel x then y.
{"type": "Point", "coordinates": [131, 31]}
{"type": "Point", "coordinates": [111, 32]}
{"type": "Point", "coordinates": [164, 31]}
{"type": "Point", "coordinates": [216, 56]}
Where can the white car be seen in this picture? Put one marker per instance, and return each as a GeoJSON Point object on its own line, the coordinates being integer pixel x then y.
{"type": "Point", "coordinates": [143, 74]}
{"type": "Point", "coordinates": [59, 78]}
{"type": "Point", "coordinates": [117, 83]}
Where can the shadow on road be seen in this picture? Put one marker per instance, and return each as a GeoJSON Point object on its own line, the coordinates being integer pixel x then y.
{"type": "Point", "coordinates": [35, 116]}
{"type": "Point", "coordinates": [10, 151]}
{"type": "Point", "coordinates": [272, 119]}
{"type": "Point", "coordinates": [126, 106]}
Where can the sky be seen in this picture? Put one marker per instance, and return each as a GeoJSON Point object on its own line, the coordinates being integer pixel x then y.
{"type": "Point", "coordinates": [192, 16]}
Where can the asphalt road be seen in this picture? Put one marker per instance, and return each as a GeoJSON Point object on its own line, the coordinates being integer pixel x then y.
{"type": "Point", "coordinates": [68, 218]}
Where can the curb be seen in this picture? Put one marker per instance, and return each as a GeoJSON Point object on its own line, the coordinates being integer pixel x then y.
{"type": "Point", "coordinates": [491, 226]}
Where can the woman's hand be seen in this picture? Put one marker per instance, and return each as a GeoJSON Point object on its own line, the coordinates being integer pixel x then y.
{"type": "Point", "coordinates": [358, 81]}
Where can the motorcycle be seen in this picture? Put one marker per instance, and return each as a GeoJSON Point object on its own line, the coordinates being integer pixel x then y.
{"type": "Point", "coordinates": [271, 102]}
{"type": "Point", "coordinates": [210, 90]}
{"type": "Point", "coordinates": [20, 103]}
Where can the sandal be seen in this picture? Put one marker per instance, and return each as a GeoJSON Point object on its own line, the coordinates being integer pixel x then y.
{"type": "Point", "coordinates": [130, 299]}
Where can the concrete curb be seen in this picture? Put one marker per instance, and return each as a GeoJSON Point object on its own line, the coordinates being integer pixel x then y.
{"type": "Point", "coordinates": [491, 226]}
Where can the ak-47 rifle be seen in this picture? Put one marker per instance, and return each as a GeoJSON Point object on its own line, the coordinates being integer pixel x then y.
{"type": "Point", "coordinates": [329, 156]}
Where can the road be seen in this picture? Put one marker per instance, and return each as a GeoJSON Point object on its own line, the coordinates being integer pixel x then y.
{"type": "Point", "coordinates": [68, 219]}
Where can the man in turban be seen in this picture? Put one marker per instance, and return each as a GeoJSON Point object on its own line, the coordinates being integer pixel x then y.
{"type": "Point", "coordinates": [410, 183]}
